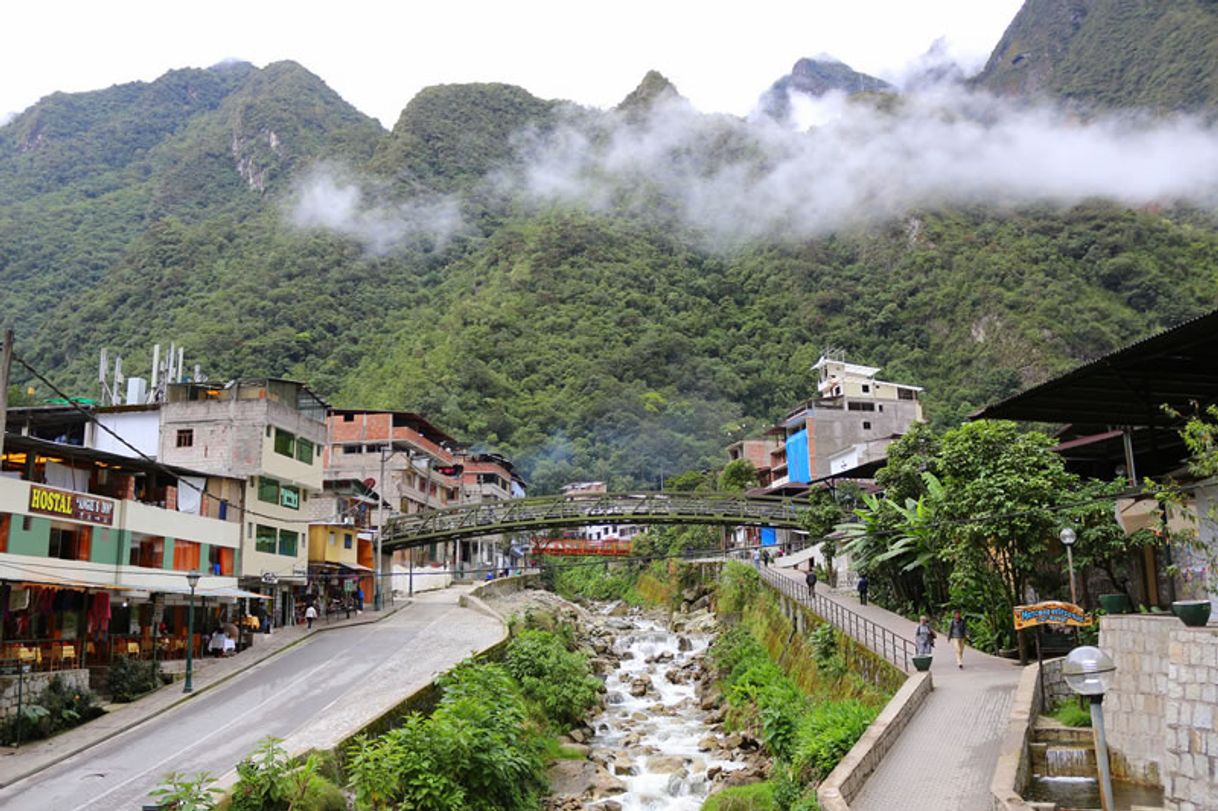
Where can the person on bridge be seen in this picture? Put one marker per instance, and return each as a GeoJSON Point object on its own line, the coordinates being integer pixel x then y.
{"type": "Point", "coordinates": [862, 587]}
{"type": "Point", "coordinates": [957, 632]}
{"type": "Point", "coordinates": [810, 579]}
{"type": "Point", "coordinates": [310, 615]}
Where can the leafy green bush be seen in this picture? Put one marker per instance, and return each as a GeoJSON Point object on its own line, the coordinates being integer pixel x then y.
{"type": "Point", "coordinates": [825, 734]}
{"type": "Point", "coordinates": [129, 678]}
{"type": "Point", "coordinates": [753, 797]}
{"type": "Point", "coordinates": [739, 586]}
{"type": "Point", "coordinates": [557, 679]}
{"type": "Point", "coordinates": [182, 793]}
{"type": "Point", "coordinates": [55, 708]}
{"type": "Point", "coordinates": [477, 750]}
{"type": "Point", "coordinates": [269, 780]}
{"type": "Point", "coordinates": [582, 579]}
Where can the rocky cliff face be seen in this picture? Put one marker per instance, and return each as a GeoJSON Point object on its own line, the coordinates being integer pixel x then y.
{"type": "Point", "coordinates": [815, 78]}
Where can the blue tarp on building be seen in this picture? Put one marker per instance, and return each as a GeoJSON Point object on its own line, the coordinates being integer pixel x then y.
{"type": "Point", "coordinates": [798, 469]}
{"type": "Point", "coordinates": [769, 536]}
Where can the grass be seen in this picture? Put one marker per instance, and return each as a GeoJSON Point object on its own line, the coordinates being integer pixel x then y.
{"type": "Point", "coordinates": [1070, 714]}
{"type": "Point", "coordinates": [753, 797]}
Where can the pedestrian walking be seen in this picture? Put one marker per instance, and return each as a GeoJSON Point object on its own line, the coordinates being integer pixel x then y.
{"type": "Point", "coordinates": [810, 580]}
{"type": "Point", "coordinates": [957, 633]}
{"type": "Point", "coordinates": [924, 637]}
{"type": "Point", "coordinates": [765, 557]}
{"type": "Point", "coordinates": [862, 587]}
{"type": "Point", "coordinates": [359, 601]}
{"type": "Point", "coordinates": [310, 615]}
{"type": "Point", "coordinates": [757, 559]}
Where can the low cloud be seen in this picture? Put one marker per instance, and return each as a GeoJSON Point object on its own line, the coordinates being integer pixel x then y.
{"type": "Point", "coordinates": [855, 162]}
{"type": "Point", "coordinates": [332, 198]}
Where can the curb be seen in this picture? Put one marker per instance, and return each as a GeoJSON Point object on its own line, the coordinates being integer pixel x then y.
{"type": "Point", "coordinates": [114, 733]}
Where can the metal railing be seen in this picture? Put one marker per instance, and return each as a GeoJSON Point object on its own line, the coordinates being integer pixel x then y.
{"type": "Point", "coordinates": [890, 646]}
{"type": "Point", "coordinates": [517, 515]}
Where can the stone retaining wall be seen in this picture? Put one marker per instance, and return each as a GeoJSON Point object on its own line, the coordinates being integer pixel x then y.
{"type": "Point", "coordinates": [35, 683]}
{"type": "Point", "coordinates": [1013, 769]}
{"type": "Point", "coordinates": [1191, 715]}
{"type": "Point", "coordinates": [1135, 707]}
{"type": "Point", "coordinates": [507, 585]}
{"type": "Point", "coordinates": [844, 782]}
{"type": "Point", "coordinates": [1054, 684]}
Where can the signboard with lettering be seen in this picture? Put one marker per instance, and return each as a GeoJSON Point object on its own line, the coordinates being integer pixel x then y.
{"type": "Point", "coordinates": [290, 497]}
{"type": "Point", "coordinates": [77, 506]}
{"type": "Point", "coordinates": [1050, 613]}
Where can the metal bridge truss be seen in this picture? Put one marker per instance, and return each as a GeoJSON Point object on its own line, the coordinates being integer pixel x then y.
{"type": "Point", "coordinates": [555, 512]}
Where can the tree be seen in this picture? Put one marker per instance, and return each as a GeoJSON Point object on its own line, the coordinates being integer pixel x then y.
{"type": "Point", "coordinates": [738, 475]}
{"type": "Point", "coordinates": [820, 520]}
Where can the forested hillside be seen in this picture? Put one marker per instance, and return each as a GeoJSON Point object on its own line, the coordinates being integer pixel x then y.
{"type": "Point", "coordinates": [594, 320]}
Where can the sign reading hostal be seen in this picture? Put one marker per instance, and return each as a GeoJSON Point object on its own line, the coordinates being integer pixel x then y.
{"type": "Point", "coordinates": [77, 506]}
{"type": "Point", "coordinates": [1050, 613]}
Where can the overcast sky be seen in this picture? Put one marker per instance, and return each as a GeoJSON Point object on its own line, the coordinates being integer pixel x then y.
{"type": "Point", "coordinates": [378, 55]}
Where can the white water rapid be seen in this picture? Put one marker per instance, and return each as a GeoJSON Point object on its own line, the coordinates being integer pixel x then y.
{"type": "Point", "coordinates": [650, 732]}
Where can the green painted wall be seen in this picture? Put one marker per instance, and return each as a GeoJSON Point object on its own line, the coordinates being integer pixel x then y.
{"type": "Point", "coordinates": [106, 546]}
{"type": "Point", "coordinates": [167, 559]}
{"type": "Point", "coordinates": [204, 553]}
{"type": "Point", "coordinates": [36, 541]}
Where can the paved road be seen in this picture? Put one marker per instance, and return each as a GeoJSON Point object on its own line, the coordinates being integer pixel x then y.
{"type": "Point", "coordinates": [313, 682]}
{"type": "Point", "coordinates": [944, 758]}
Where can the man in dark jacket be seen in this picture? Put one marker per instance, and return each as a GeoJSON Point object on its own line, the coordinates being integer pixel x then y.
{"type": "Point", "coordinates": [810, 579]}
{"type": "Point", "coordinates": [863, 585]}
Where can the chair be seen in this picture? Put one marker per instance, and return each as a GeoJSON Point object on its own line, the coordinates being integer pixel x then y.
{"type": "Point", "coordinates": [67, 656]}
{"type": "Point", "coordinates": [133, 648]}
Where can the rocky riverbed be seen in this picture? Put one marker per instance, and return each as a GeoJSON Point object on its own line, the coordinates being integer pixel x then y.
{"type": "Point", "coordinates": [658, 742]}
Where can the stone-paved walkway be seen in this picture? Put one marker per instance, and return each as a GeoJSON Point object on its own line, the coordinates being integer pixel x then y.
{"type": "Point", "coordinates": [944, 759]}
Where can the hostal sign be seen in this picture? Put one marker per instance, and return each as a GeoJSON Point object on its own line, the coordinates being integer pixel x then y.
{"type": "Point", "coordinates": [77, 506]}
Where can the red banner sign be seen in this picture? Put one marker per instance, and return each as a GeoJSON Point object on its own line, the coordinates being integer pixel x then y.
{"type": "Point", "coordinates": [77, 506]}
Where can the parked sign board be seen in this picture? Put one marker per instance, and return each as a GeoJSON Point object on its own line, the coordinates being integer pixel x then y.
{"type": "Point", "coordinates": [1050, 613]}
{"type": "Point", "coordinates": [77, 506]}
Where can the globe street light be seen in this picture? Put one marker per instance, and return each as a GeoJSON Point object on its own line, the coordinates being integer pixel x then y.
{"type": "Point", "coordinates": [1068, 538]}
{"type": "Point", "coordinates": [1088, 671]}
{"type": "Point", "coordinates": [192, 578]}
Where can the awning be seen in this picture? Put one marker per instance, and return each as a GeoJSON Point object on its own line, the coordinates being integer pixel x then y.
{"type": "Point", "coordinates": [230, 592]}
{"type": "Point", "coordinates": [38, 579]}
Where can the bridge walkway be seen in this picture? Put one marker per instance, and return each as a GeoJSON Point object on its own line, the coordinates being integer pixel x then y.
{"type": "Point", "coordinates": [944, 759]}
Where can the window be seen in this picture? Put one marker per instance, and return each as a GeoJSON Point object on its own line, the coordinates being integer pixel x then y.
{"type": "Point", "coordinates": [147, 551]}
{"type": "Point", "coordinates": [353, 448]}
{"type": "Point", "coordinates": [304, 451]}
{"type": "Point", "coordinates": [289, 497]}
{"type": "Point", "coordinates": [374, 448]}
{"type": "Point", "coordinates": [906, 394]}
{"type": "Point", "coordinates": [347, 541]}
{"type": "Point", "coordinates": [866, 425]}
{"type": "Point", "coordinates": [268, 431]}
{"type": "Point", "coordinates": [186, 556]}
{"type": "Point", "coordinates": [287, 542]}
{"type": "Point", "coordinates": [333, 540]}
{"type": "Point", "coordinates": [860, 406]}
{"type": "Point", "coordinates": [27, 521]}
{"type": "Point", "coordinates": [185, 438]}
{"type": "Point", "coordinates": [221, 560]}
{"type": "Point", "coordinates": [348, 418]}
{"type": "Point", "coordinates": [881, 406]}
{"type": "Point", "coordinates": [285, 443]}
{"type": "Point", "coordinates": [268, 490]}
{"type": "Point", "coordinates": [866, 388]}
{"type": "Point", "coordinates": [266, 540]}
{"type": "Point", "coordinates": [70, 542]}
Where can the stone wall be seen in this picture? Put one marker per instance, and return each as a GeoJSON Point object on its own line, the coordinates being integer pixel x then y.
{"type": "Point", "coordinates": [1135, 707]}
{"type": "Point", "coordinates": [1013, 768]}
{"type": "Point", "coordinates": [1191, 769]}
{"type": "Point", "coordinates": [1162, 711]}
{"type": "Point", "coordinates": [1054, 683]}
{"type": "Point", "coordinates": [33, 684]}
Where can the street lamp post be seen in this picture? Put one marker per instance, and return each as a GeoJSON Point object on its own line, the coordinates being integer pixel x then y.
{"type": "Point", "coordinates": [1088, 671]}
{"type": "Point", "coordinates": [1068, 538]}
{"type": "Point", "coordinates": [192, 578]}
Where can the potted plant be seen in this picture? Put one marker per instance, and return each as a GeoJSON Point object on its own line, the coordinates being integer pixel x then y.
{"type": "Point", "coordinates": [1115, 603]}
{"type": "Point", "coordinates": [1193, 613]}
{"type": "Point", "coordinates": [922, 662]}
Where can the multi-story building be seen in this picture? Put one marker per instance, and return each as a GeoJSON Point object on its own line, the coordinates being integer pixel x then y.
{"type": "Point", "coordinates": [852, 421]}
{"type": "Point", "coordinates": [413, 465]}
{"type": "Point", "coordinates": [270, 433]}
{"type": "Point", "coordinates": [599, 532]}
{"type": "Point", "coordinates": [486, 477]}
{"type": "Point", "coordinates": [95, 549]}
{"type": "Point", "coordinates": [341, 540]}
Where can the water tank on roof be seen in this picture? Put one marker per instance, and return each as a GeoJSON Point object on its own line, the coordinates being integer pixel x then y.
{"type": "Point", "coordinates": [137, 391]}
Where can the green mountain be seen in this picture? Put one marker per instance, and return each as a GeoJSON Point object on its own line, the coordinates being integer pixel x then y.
{"type": "Point", "coordinates": [816, 77]}
{"type": "Point", "coordinates": [1155, 54]}
{"type": "Point", "coordinates": [607, 339]}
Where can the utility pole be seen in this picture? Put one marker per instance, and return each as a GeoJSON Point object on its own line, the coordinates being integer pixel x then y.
{"type": "Point", "coordinates": [378, 596]}
{"type": "Point", "coordinates": [6, 365]}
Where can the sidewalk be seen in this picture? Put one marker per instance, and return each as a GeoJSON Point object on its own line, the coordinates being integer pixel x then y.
{"type": "Point", "coordinates": [944, 759]}
{"type": "Point", "coordinates": [208, 672]}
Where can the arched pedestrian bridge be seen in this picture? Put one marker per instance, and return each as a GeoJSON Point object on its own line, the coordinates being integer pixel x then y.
{"type": "Point", "coordinates": [558, 512]}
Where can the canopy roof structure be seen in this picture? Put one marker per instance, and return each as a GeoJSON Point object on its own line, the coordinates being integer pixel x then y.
{"type": "Point", "coordinates": [1129, 387]}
